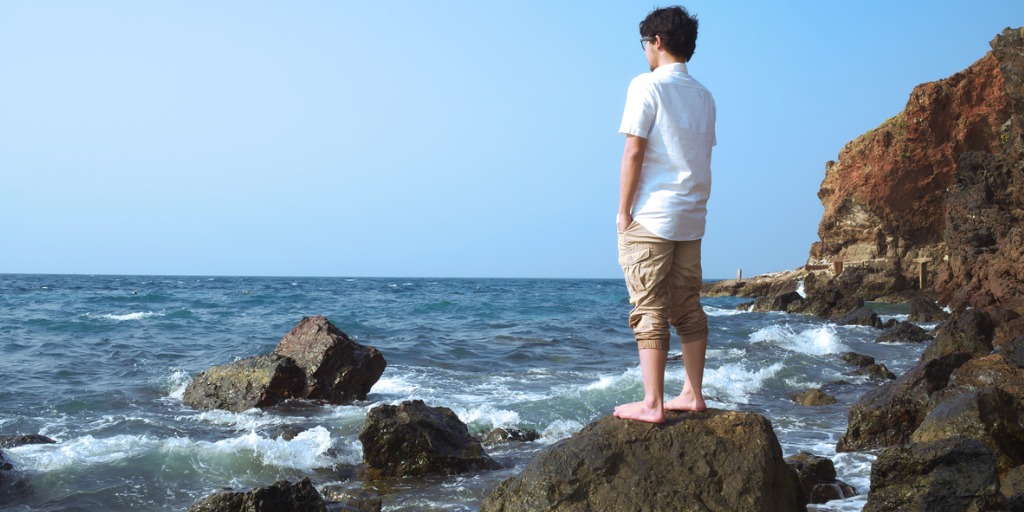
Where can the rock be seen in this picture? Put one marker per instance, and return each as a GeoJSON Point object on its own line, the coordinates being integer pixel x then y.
{"type": "Point", "coordinates": [721, 460]}
{"type": "Point", "coordinates": [903, 332]}
{"type": "Point", "coordinates": [856, 359]}
{"type": "Point", "coordinates": [338, 370]}
{"type": "Point", "coordinates": [745, 306]}
{"type": "Point", "coordinates": [286, 432]}
{"type": "Point", "coordinates": [888, 415]}
{"type": "Point", "coordinates": [281, 496]}
{"type": "Point", "coordinates": [19, 440]}
{"type": "Point", "coordinates": [968, 331]}
{"type": "Point", "coordinates": [876, 371]}
{"type": "Point", "coordinates": [780, 302]}
{"type": "Point", "coordinates": [504, 435]}
{"type": "Point", "coordinates": [350, 500]}
{"type": "Point", "coordinates": [817, 477]}
{"type": "Point", "coordinates": [413, 439]}
{"type": "Point", "coordinates": [860, 316]}
{"type": "Point", "coordinates": [1013, 352]}
{"type": "Point", "coordinates": [828, 297]}
{"type": "Point", "coordinates": [989, 371]}
{"type": "Point", "coordinates": [260, 381]}
{"type": "Point", "coordinates": [946, 475]}
{"type": "Point", "coordinates": [1012, 483]}
{"type": "Point", "coordinates": [4, 465]}
{"type": "Point", "coordinates": [925, 310]}
{"type": "Point", "coordinates": [813, 397]}
{"type": "Point", "coordinates": [989, 415]}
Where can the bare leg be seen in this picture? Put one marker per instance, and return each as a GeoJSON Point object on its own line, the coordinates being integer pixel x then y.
{"type": "Point", "coordinates": [692, 396]}
{"type": "Point", "coordinates": [651, 409]}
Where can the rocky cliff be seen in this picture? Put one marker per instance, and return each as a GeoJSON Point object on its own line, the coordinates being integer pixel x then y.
{"type": "Point", "coordinates": [885, 198]}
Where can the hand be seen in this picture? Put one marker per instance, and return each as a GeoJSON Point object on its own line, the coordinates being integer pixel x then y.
{"type": "Point", "coordinates": [622, 221]}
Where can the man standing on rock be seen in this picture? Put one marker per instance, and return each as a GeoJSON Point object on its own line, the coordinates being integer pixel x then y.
{"type": "Point", "coordinates": [665, 181]}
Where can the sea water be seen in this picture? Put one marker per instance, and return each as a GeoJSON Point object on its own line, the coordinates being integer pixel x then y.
{"type": "Point", "coordinates": [99, 363]}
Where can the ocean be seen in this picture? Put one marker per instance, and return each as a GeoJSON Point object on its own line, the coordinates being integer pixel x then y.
{"type": "Point", "coordinates": [99, 363]}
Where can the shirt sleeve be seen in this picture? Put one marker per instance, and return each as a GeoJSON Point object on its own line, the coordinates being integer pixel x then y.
{"type": "Point", "coordinates": [638, 116]}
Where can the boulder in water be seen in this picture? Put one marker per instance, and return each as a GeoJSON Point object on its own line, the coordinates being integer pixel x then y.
{"type": "Point", "coordinates": [813, 397]}
{"type": "Point", "coordinates": [925, 310]}
{"type": "Point", "coordinates": [969, 331]}
{"type": "Point", "coordinates": [23, 439]}
{"type": "Point", "coordinates": [260, 381]}
{"type": "Point", "coordinates": [723, 460]}
{"type": "Point", "coordinates": [903, 332]}
{"type": "Point", "coordinates": [860, 316]}
{"type": "Point", "coordinates": [414, 439]}
{"type": "Point", "coordinates": [817, 476]}
{"type": "Point", "coordinates": [281, 496]}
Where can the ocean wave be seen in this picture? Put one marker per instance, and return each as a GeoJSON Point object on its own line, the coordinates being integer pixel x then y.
{"type": "Point", "coordinates": [733, 383]}
{"type": "Point", "coordinates": [560, 429]}
{"type": "Point", "coordinates": [126, 317]}
{"type": "Point", "coordinates": [817, 340]}
{"type": "Point", "coordinates": [713, 311]}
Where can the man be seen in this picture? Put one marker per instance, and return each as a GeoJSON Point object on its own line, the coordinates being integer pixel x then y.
{"type": "Point", "coordinates": [665, 181]}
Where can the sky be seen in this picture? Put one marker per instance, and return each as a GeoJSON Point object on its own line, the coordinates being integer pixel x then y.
{"type": "Point", "coordinates": [425, 139]}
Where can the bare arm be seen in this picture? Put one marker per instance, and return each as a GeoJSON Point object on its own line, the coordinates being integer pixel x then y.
{"type": "Point", "coordinates": [629, 177]}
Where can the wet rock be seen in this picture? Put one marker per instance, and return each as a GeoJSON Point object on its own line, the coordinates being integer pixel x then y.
{"type": "Point", "coordinates": [260, 381]}
{"type": "Point", "coordinates": [989, 371]}
{"type": "Point", "coordinates": [856, 359]}
{"type": "Point", "coordinates": [723, 460]}
{"type": "Point", "coordinates": [745, 306]}
{"type": "Point", "coordinates": [813, 397]}
{"type": "Point", "coordinates": [413, 439]}
{"type": "Point", "coordinates": [860, 316]}
{"type": "Point", "coordinates": [286, 432]}
{"type": "Point", "coordinates": [827, 297]}
{"type": "Point", "coordinates": [968, 331]}
{"type": "Point", "coordinates": [889, 414]}
{"type": "Point", "coordinates": [989, 415]}
{"type": "Point", "coordinates": [4, 465]}
{"type": "Point", "coordinates": [925, 310]}
{"type": "Point", "coordinates": [337, 369]}
{"type": "Point", "coordinates": [1013, 352]}
{"type": "Point", "coordinates": [19, 440]}
{"type": "Point", "coordinates": [1012, 483]}
{"type": "Point", "coordinates": [780, 302]}
{"type": "Point", "coordinates": [945, 475]}
{"type": "Point", "coordinates": [876, 371]}
{"type": "Point", "coordinates": [281, 496]}
{"type": "Point", "coordinates": [345, 499]}
{"type": "Point", "coordinates": [505, 435]}
{"type": "Point", "coordinates": [903, 332]}
{"type": "Point", "coordinates": [817, 477]}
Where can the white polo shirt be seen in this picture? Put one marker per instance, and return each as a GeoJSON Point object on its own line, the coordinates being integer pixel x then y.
{"type": "Point", "coordinates": [676, 114]}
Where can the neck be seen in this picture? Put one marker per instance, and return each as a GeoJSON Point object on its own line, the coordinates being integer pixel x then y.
{"type": "Point", "coordinates": [663, 58]}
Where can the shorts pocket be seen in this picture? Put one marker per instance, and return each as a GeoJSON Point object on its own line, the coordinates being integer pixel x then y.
{"type": "Point", "coordinates": [631, 259]}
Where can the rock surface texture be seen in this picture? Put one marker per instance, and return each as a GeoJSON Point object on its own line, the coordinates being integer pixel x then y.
{"type": "Point", "coordinates": [314, 361]}
{"type": "Point", "coordinates": [710, 461]}
{"type": "Point", "coordinates": [414, 439]}
{"type": "Point", "coordinates": [282, 496]}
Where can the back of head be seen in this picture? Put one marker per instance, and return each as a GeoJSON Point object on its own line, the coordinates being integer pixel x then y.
{"type": "Point", "coordinates": [677, 28]}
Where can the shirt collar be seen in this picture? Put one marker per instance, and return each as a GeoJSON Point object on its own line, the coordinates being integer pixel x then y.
{"type": "Point", "coordinates": [675, 67]}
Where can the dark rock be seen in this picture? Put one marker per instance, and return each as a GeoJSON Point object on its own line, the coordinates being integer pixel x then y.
{"type": "Point", "coordinates": [260, 381]}
{"type": "Point", "coordinates": [856, 359]}
{"type": "Point", "coordinates": [286, 432]}
{"type": "Point", "coordinates": [876, 371]}
{"type": "Point", "coordinates": [1012, 483]}
{"type": "Point", "coordinates": [721, 460]}
{"type": "Point", "coordinates": [413, 439]}
{"type": "Point", "coordinates": [281, 496]}
{"type": "Point", "coordinates": [4, 465]}
{"type": "Point", "coordinates": [860, 316]}
{"type": "Point", "coordinates": [1013, 352]}
{"type": "Point", "coordinates": [946, 475]}
{"type": "Point", "coordinates": [350, 500]}
{"type": "Point", "coordinates": [745, 306]}
{"type": "Point", "coordinates": [925, 310]}
{"type": "Point", "coordinates": [903, 332]}
{"type": "Point", "coordinates": [968, 331]}
{"type": "Point", "coordinates": [504, 435]}
{"type": "Point", "coordinates": [826, 298]}
{"type": "Point", "coordinates": [338, 370]}
{"type": "Point", "coordinates": [989, 371]}
{"type": "Point", "coordinates": [889, 414]}
{"type": "Point", "coordinates": [1015, 503]}
{"type": "Point", "coordinates": [19, 440]}
{"type": "Point", "coordinates": [817, 477]}
{"type": "Point", "coordinates": [780, 302]}
{"type": "Point", "coordinates": [813, 397]}
{"type": "Point", "coordinates": [989, 415]}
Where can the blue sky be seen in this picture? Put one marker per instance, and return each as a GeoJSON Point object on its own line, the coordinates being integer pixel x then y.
{"type": "Point", "coordinates": [440, 139]}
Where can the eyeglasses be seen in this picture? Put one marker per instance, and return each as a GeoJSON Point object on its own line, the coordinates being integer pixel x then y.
{"type": "Point", "coordinates": [644, 41]}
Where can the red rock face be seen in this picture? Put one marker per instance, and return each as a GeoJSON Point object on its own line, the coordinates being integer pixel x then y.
{"type": "Point", "coordinates": [885, 199]}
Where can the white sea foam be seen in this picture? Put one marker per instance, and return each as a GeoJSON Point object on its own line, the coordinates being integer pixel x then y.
{"type": "Point", "coordinates": [713, 311]}
{"type": "Point", "coordinates": [818, 340]}
{"type": "Point", "coordinates": [126, 317]}
{"type": "Point", "coordinates": [560, 429]}
{"type": "Point", "coordinates": [734, 383]}
{"type": "Point", "coordinates": [177, 382]}
{"type": "Point", "coordinates": [488, 415]}
{"type": "Point", "coordinates": [82, 451]}
{"type": "Point", "coordinates": [800, 288]}
{"type": "Point", "coordinates": [253, 419]}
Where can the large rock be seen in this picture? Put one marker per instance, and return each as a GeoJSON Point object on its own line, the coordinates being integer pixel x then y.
{"type": "Point", "coordinates": [889, 414]}
{"type": "Point", "coordinates": [281, 496]}
{"type": "Point", "coordinates": [781, 302]}
{"type": "Point", "coordinates": [903, 332]}
{"type": "Point", "coordinates": [967, 331]}
{"type": "Point", "coordinates": [715, 460]}
{"type": "Point", "coordinates": [338, 370]}
{"type": "Point", "coordinates": [860, 316]}
{"type": "Point", "coordinates": [1013, 351]}
{"type": "Point", "coordinates": [925, 310]}
{"type": "Point", "coordinates": [23, 439]}
{"type": "Point", "coordinates": [813, 397]}
{"type": "Point", "coordinates": [954, 474]}
{"type": "Point", "coordinates": [989, 371]}
{"type": "Point", "coordinates": [989, 415]}
{"type": "Point", "coordinates": [817, 477]}
{"type": "Point", "coordinates": [260, 381]}
{"type": "Point", "coordinates": [413, 439]}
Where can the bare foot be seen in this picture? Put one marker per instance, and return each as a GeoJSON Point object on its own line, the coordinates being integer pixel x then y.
{"type": "Point", "coordinates": [686, 402]}
{"type": "Point", "coordinates": [639, 411]}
